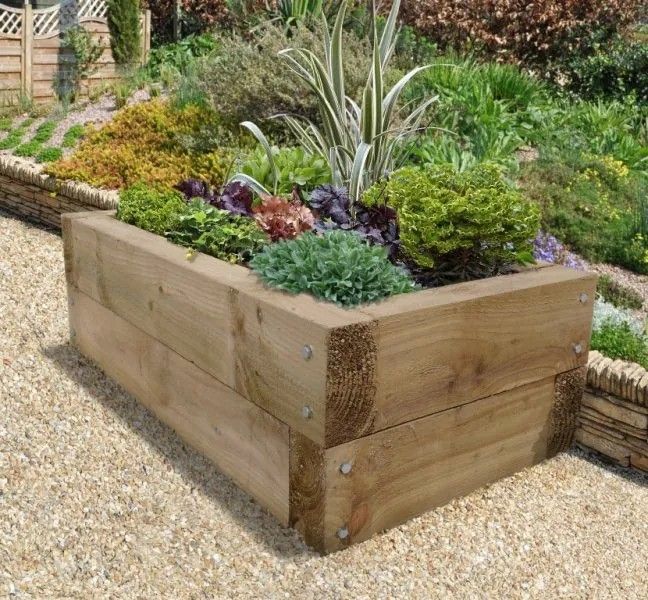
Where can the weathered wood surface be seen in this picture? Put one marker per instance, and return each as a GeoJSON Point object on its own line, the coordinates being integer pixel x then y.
{"type": "Point", "coordinates": [406, 470]}
{"type": "Point", "coordinates": [244, 442]}
{"type": "Point", "coordinates": [371, 368]}
{"type": "Point", "coordinates": [214, 314]}
{"type": "Point", "coordinates": [443, 347]}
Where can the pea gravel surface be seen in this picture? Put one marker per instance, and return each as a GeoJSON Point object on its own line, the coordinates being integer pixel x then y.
{"type": "Point", "coordinates": [100, 500]}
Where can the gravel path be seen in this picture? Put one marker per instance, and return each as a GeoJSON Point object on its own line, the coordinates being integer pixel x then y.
{"type": "Point", "coordinates": [99, 500]}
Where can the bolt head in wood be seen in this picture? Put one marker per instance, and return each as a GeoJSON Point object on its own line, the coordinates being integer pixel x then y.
{"type": "Point", "coordinates": [343, 533]}
{"type": "Point", "coordinates": [583, 298]}
{"type": "Point", "coordinates": [307, 412]}
{"type": "Point", "coordinates": [578, 348]}
{"type": "Point", "coordinates": [345, 468]}
{"type": "Point", "coordinates": [307, 352]}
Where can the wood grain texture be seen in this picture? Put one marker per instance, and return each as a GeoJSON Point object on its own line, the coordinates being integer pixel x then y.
{"type": "Point", "coordinates": [444, 347]}
{"type": "Point", "coordinates": [409, 469]}
{"type": "Point", "coordinates": [245, 442]}
{"type": "Point", "coordinates": [214, 314]}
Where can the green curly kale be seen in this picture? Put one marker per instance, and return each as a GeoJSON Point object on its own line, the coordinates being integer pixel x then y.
{"type": "Point", "coordinates": [337, 266]}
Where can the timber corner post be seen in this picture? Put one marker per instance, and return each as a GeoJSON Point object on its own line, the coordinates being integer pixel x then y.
{"type": "Point", "coordinates": [342, 423]}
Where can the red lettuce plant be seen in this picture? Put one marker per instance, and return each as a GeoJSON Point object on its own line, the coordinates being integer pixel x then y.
{"type": "Point", "coordinates": [283, 219]}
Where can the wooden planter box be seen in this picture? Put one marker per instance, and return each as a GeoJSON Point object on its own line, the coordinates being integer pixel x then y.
{"type": "Point", "coordinates": [341, 423]}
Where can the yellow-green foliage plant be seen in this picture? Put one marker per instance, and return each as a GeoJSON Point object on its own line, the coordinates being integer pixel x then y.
{"type": "Point", "coordinates": [144, 143]}
{"type": "Point", "coordinates": [460, 225]}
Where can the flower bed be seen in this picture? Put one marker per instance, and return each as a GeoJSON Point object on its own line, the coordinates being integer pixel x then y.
{"type": "Point", "coordinates": [340, 422]}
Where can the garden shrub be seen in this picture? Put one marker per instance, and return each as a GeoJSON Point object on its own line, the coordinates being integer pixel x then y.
{"type": "Point", "coordinates": [617, 294]}
{"type": "Point", "coordinates": [180, 55]}
{"type": "Point", "coordinates": [27, 149]}
{"type": "Point", "coordinates": [594, 204]}
{"type": "Point", "coordinates": [613, 71]}
{"type": "Point", "coordinates": [144, 142]}
{"type": "Point", "coordinates": [464, 225]}
{"type": "Point", "coordinates": [125, 32]}
{"type": "Point", "coordinates": [205, 228]}
{"type": "Point", "coordinates": [517, 30]}
{"type": "Point", "coordinates": [617, 129]}
{"type": "Point", "coordinates": [153, 209]}
{"type": "Point", "coordinates": [197, 16]}
{"type": "Point", "coordinates": [337, 266]}
{"type": "Point", "coordinates": [293, 167]}
{"type": "Point", "coordinates": [619, 341]}
{"type": "Point", "coordinates": [485, 112]}
{"type": "Point", "coordinates": [246, 79]}
{"type": "Point", "coordinates": [86, 52]}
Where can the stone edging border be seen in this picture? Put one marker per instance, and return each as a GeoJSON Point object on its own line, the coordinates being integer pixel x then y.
{"type": "Point", "coordinates": [626, 380]}
{"type": "Point", "coordinates": [26, 191]}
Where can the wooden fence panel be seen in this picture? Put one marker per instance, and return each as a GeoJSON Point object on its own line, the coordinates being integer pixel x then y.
{"type": "Point", "coordinates": [31, 55]}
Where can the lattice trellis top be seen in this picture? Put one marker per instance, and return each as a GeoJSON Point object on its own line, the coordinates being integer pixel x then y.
{"type": "Point", "coordinates": [11, 20]}
{"type": "Point", "coordinates": [51, 21]}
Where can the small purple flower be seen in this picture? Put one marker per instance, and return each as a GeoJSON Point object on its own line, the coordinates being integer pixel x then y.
{"type": "Point", "coordinates": [548, 249]}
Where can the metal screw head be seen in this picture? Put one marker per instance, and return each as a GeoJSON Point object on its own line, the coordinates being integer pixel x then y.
{"type": "Point", "coordinates": [578, 348]}
{"type": "Point", "coordinates": [345, 468]}
{"type": "Point", "coordinates": [583, 298]}
{"type": "Point", "coordinates": [307, 352]}
{"type": "Point", "coordinates": [307, 412]}
{"type": "Point", "coordinates": [343, 533]}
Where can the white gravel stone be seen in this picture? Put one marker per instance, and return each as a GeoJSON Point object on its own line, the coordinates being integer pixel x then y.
{"type": "Point", "coordinates": [98, 499]}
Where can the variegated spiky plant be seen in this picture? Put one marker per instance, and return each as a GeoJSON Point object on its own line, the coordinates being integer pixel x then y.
{"type": "Point", "coordinates": [359, 141]}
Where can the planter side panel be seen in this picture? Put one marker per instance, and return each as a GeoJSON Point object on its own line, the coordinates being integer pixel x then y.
{"type": "Point", "coordinates": [213, 314]}
{"type": "Point", "coordinates": [404, 471]}
{"type": "Point", "coordinates": [244, 442]}
{"type": "Point", "coordinates": [442, 348]}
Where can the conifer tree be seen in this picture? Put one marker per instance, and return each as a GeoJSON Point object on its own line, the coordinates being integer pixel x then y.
{"type": "Point", "coordinates": [125, 34]}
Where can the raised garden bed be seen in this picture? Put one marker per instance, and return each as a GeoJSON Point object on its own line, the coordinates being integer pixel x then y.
{"type": "Point", "coordinates": [341, 423]}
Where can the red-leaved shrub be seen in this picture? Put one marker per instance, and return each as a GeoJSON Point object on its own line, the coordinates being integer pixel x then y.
{"type": "Point", "coordinates": [519, 30]}
{"type": "Point", "coordinates": [199, 14]}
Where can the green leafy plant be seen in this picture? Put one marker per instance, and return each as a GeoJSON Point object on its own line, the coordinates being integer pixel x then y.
{"type": "Point", "coordinates": [337, 266]}
{"type": "Point", "coordinates": [619, 341]}
{"type": "Point", "coordinates": [181, 54]}
{"type": "Point", "coordinates": [207, 229]}
{"type": "Point", "coordinates": [360, 142]}
{"type": "Point", "coordinates": [49, 154]}
{"type": "Point", "coordinates": [15, 136]}
{"type": "Point", "coordinates": [618, 294]}
{"type": "Point", "coordinates": [73, 135]}
{"type": "Point", "coordinates": [615, 70]}
{"type": "Point", "coordinates": [595, 204]}
{"type": "Point", "coordinates": [86, 51]}
{"type": "Point", "coordinates": [125, 35]}
{"type": "Point", "coordinates": [27, 149]}
{"type": "Point", "coordinates": [289, 167]}
{"type": "Point", "coordinates": [157, 210]}
{"type": "Point", "coordinates": [460, 225]}
{"type": "Point", "coordinates": [246, 79]}
{"type": "Point", "coordinates": [5, 123]}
